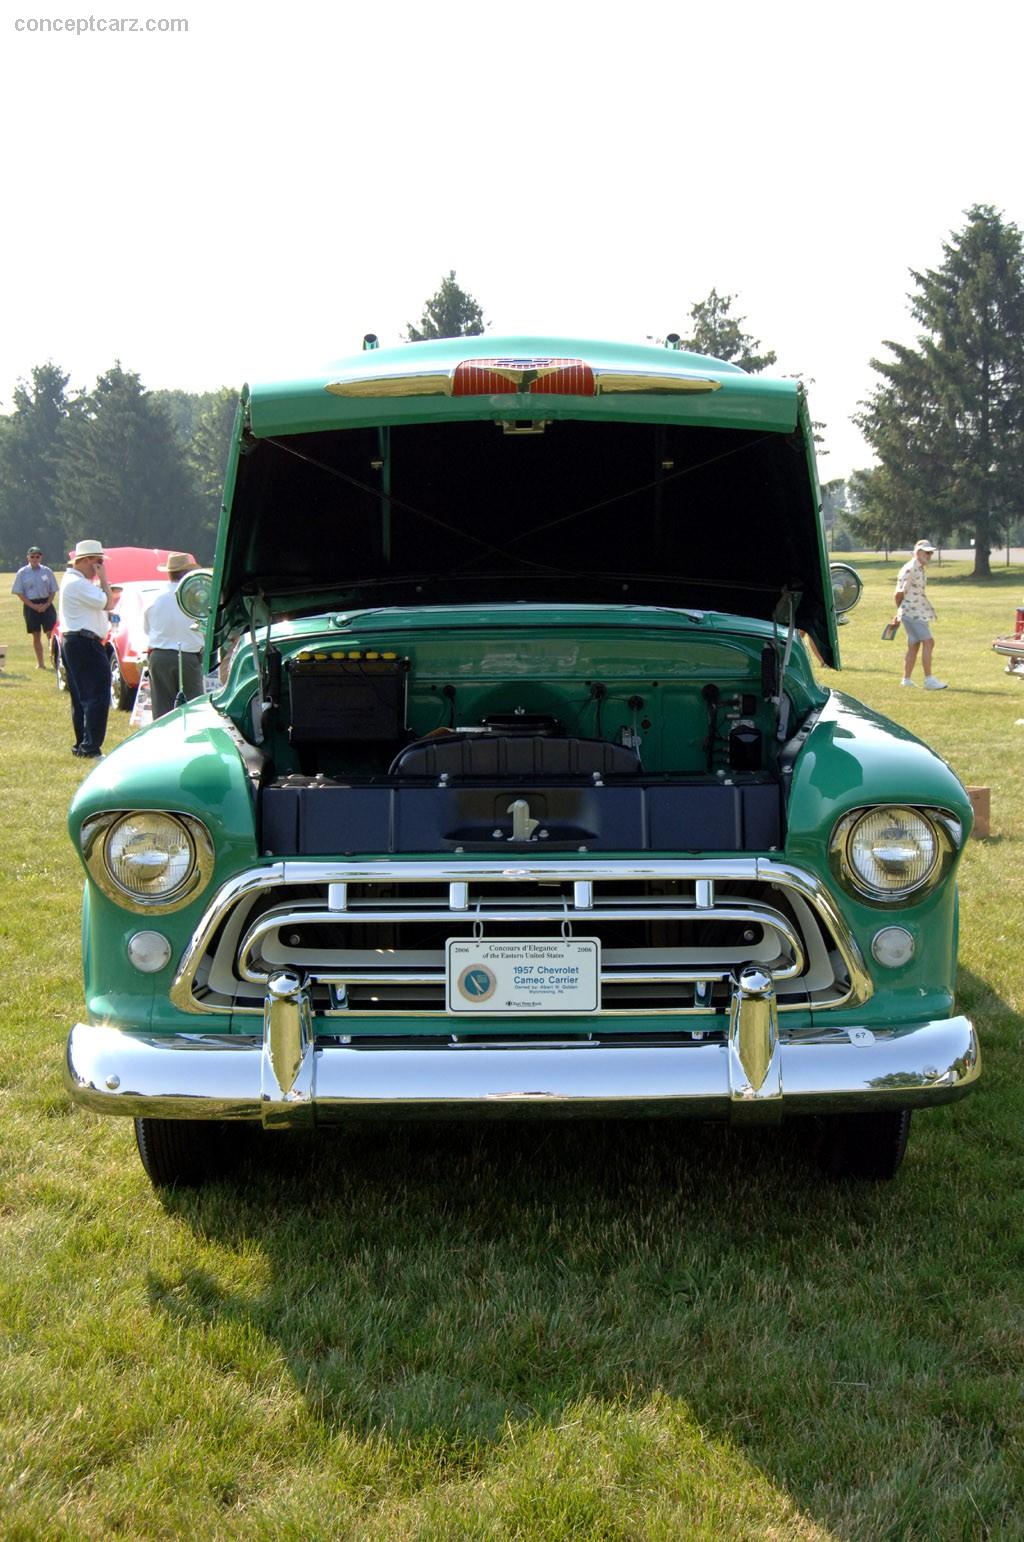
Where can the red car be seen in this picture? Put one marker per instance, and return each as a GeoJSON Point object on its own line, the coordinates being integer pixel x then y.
{"type": "Point", "coordinates": [135, 578]}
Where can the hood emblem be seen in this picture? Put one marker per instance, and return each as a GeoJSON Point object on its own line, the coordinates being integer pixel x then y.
{"type": "Point", "coordinates": [522, 825]}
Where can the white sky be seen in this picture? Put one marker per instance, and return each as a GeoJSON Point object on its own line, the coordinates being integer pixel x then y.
{"type": "Point", "coordinates": [249, 198]}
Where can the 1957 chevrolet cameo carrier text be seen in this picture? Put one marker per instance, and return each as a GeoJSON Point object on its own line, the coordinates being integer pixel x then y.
{"type": "Point", "coordinates": [520, 796]}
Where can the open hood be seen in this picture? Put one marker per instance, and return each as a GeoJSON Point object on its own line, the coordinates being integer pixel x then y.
{"type": "Point", "coordinates": [522, 469]}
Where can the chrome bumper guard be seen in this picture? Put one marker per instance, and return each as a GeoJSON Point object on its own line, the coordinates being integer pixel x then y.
{"type": "Point", "coordinates": [286, 1077]}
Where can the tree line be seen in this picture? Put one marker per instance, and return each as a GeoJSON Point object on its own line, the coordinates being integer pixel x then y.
{"type": "Point", "coordinates": [945, 421]}
{"type": "Point", "coordinates": [129, 466]}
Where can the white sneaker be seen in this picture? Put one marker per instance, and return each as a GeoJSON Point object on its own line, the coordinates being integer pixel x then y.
{"type": "Point", "coordinates": [931, 684]}
{"type": "Point", "coordinates": [907, 682]}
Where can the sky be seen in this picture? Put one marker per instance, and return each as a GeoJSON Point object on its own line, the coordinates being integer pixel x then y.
{"type": "Point", "coordinates": [247, 197]}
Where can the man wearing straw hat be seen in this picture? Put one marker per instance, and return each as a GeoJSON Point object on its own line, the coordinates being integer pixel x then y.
{"type": "Point", "coordinates": [175, 647]}
{"type": "Point", "coordinates": [85, 606]}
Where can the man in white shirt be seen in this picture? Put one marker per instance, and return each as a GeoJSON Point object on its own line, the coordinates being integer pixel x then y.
{"type": "Point", "coordinates": [85, 606]}
{"type": "Point", "coordinates": [175, 647]}
{"type": "Point", "coordinates": [915, 610]}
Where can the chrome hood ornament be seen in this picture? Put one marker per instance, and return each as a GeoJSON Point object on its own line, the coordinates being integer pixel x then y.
{"type": "Point", "coordinates": [522, 825]}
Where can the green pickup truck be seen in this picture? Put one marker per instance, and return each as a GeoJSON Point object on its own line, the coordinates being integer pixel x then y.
{"type": "Point", "coordinates": [520, 796]}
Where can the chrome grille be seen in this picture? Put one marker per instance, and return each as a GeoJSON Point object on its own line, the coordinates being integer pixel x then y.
{"type": "Point", "coordinates": [370, 937]}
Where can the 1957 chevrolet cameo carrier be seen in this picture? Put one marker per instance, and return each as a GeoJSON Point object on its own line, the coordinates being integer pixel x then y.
{"type": "Point", "coordinates": [520, 796]}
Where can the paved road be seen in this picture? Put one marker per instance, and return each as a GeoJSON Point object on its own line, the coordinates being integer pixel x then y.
{"type": "Point", "coordinates": [997, 559]}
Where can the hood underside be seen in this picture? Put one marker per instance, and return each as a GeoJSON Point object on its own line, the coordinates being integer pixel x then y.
{"type": "Point", "coordinates": [482, 470]}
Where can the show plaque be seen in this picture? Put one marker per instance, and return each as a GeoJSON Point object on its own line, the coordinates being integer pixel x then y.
{"type": "Point", "coordinates": [522, 975]}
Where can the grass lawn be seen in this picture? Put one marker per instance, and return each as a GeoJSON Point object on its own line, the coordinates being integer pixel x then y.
{"type": "Point", "coordinates": [608, 1331]}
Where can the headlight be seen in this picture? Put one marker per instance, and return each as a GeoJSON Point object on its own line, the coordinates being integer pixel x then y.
{"type": "Point", "coordinates": [890, 853]}
{"type": "Point", "coordinates": [892, 849]}
{"type": "Point", "coordinates": [149, 856]}
{"type": "Point", "coordinates": [150, 860]}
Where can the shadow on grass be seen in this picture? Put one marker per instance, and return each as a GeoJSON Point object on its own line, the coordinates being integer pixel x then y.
{"type": "Point", "coordinates": [1001, 577]}
{"type": "Point", "coordinates": [981, 1000]}
{"type": "Point", "coordinates": [443, 1282]}
{"type": "Point", "coordinates": [848, 685]}
{"type": "Point", "coordinates": [438, 1285]}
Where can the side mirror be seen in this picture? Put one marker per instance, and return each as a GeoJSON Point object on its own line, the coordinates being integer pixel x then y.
{"type": "Point", "coordinates": [195, 594]}
{"type": "Point", "coordinates": [847, 586]}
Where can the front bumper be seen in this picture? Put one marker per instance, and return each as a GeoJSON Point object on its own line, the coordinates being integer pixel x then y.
{"type": "Point", "coordinates": [288, 1077]}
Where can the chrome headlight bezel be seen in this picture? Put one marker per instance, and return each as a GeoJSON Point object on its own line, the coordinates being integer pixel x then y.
{"type": "Point", "coordinates": [943, 825]}
{"type": "Point", "coordinates": [96, 835]}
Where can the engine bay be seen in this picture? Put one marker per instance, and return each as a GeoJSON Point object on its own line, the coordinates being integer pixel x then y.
{"type": "Point", "coordinates": [475, 741]}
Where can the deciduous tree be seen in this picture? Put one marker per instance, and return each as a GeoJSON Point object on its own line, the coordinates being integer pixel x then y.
{"type": "Point", "coordinates": [883, 514]}
{"type": "Point", "coordinates": [184, 408]}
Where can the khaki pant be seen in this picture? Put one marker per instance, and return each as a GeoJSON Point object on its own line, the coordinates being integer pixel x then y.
{"type": "Point", "coordinates": [163, 677]}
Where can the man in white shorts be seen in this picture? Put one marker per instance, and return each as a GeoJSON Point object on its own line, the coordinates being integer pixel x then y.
{"type": "Point", "coordinates": [915, 610]}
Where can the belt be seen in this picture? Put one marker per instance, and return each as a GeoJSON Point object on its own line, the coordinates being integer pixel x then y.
{"type": "Point", "coordinates": [83, 632]}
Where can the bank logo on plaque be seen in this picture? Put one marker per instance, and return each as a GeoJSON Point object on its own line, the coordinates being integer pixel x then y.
{"type": "Point", "coordinates": [477, 983]}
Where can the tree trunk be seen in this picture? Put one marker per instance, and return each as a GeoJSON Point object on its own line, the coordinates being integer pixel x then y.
{"type": "Point", "coordinates": [982, 552]}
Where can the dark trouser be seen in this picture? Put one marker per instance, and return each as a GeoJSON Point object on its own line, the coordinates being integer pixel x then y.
{"type": "Point", "coordinates": [88, 672]}
{"type": "Point", "coordinates": [163, 678]}
{"type": "Point", "coordinates": [40, 620]}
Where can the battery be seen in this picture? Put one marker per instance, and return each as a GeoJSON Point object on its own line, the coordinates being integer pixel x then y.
{"type": "Point", "coordinates": [337, 700]}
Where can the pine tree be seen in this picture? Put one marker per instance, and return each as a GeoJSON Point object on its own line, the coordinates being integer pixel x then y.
{"type": "Point", "coordinates": [123, 477]}
{"type": "Point", "coordinates": [451, 312]}
{"type": "Point", "coordinates": [207, 455]}
{"type": "Point", "coordinates": [29, 455]}
{"type": "Point", "coordinates": [720, 334]}
{"type": "Point", "coordinates": [947, 420]}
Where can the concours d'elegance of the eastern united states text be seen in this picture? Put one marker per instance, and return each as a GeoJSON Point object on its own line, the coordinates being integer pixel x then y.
{"type": "Point", "coordinates": [520, 796]}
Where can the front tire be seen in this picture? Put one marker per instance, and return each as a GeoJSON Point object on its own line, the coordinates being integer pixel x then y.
{"type": "Point", "coordinates": [122, 695]}
{"type": "Point", "coordinates": [182, 1153]}
{"type": "Point", "coordinates": [869, 1145]}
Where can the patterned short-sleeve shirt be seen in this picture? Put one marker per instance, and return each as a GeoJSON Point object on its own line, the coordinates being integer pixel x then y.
{"type": "Point", "coordinates": [36, 584]}
{"type": "Point", "coordinates": [913, 582]}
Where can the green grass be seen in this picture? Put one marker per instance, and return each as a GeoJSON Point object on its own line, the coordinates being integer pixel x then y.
{"type": "Point", "coordinates": [518, 1331]}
